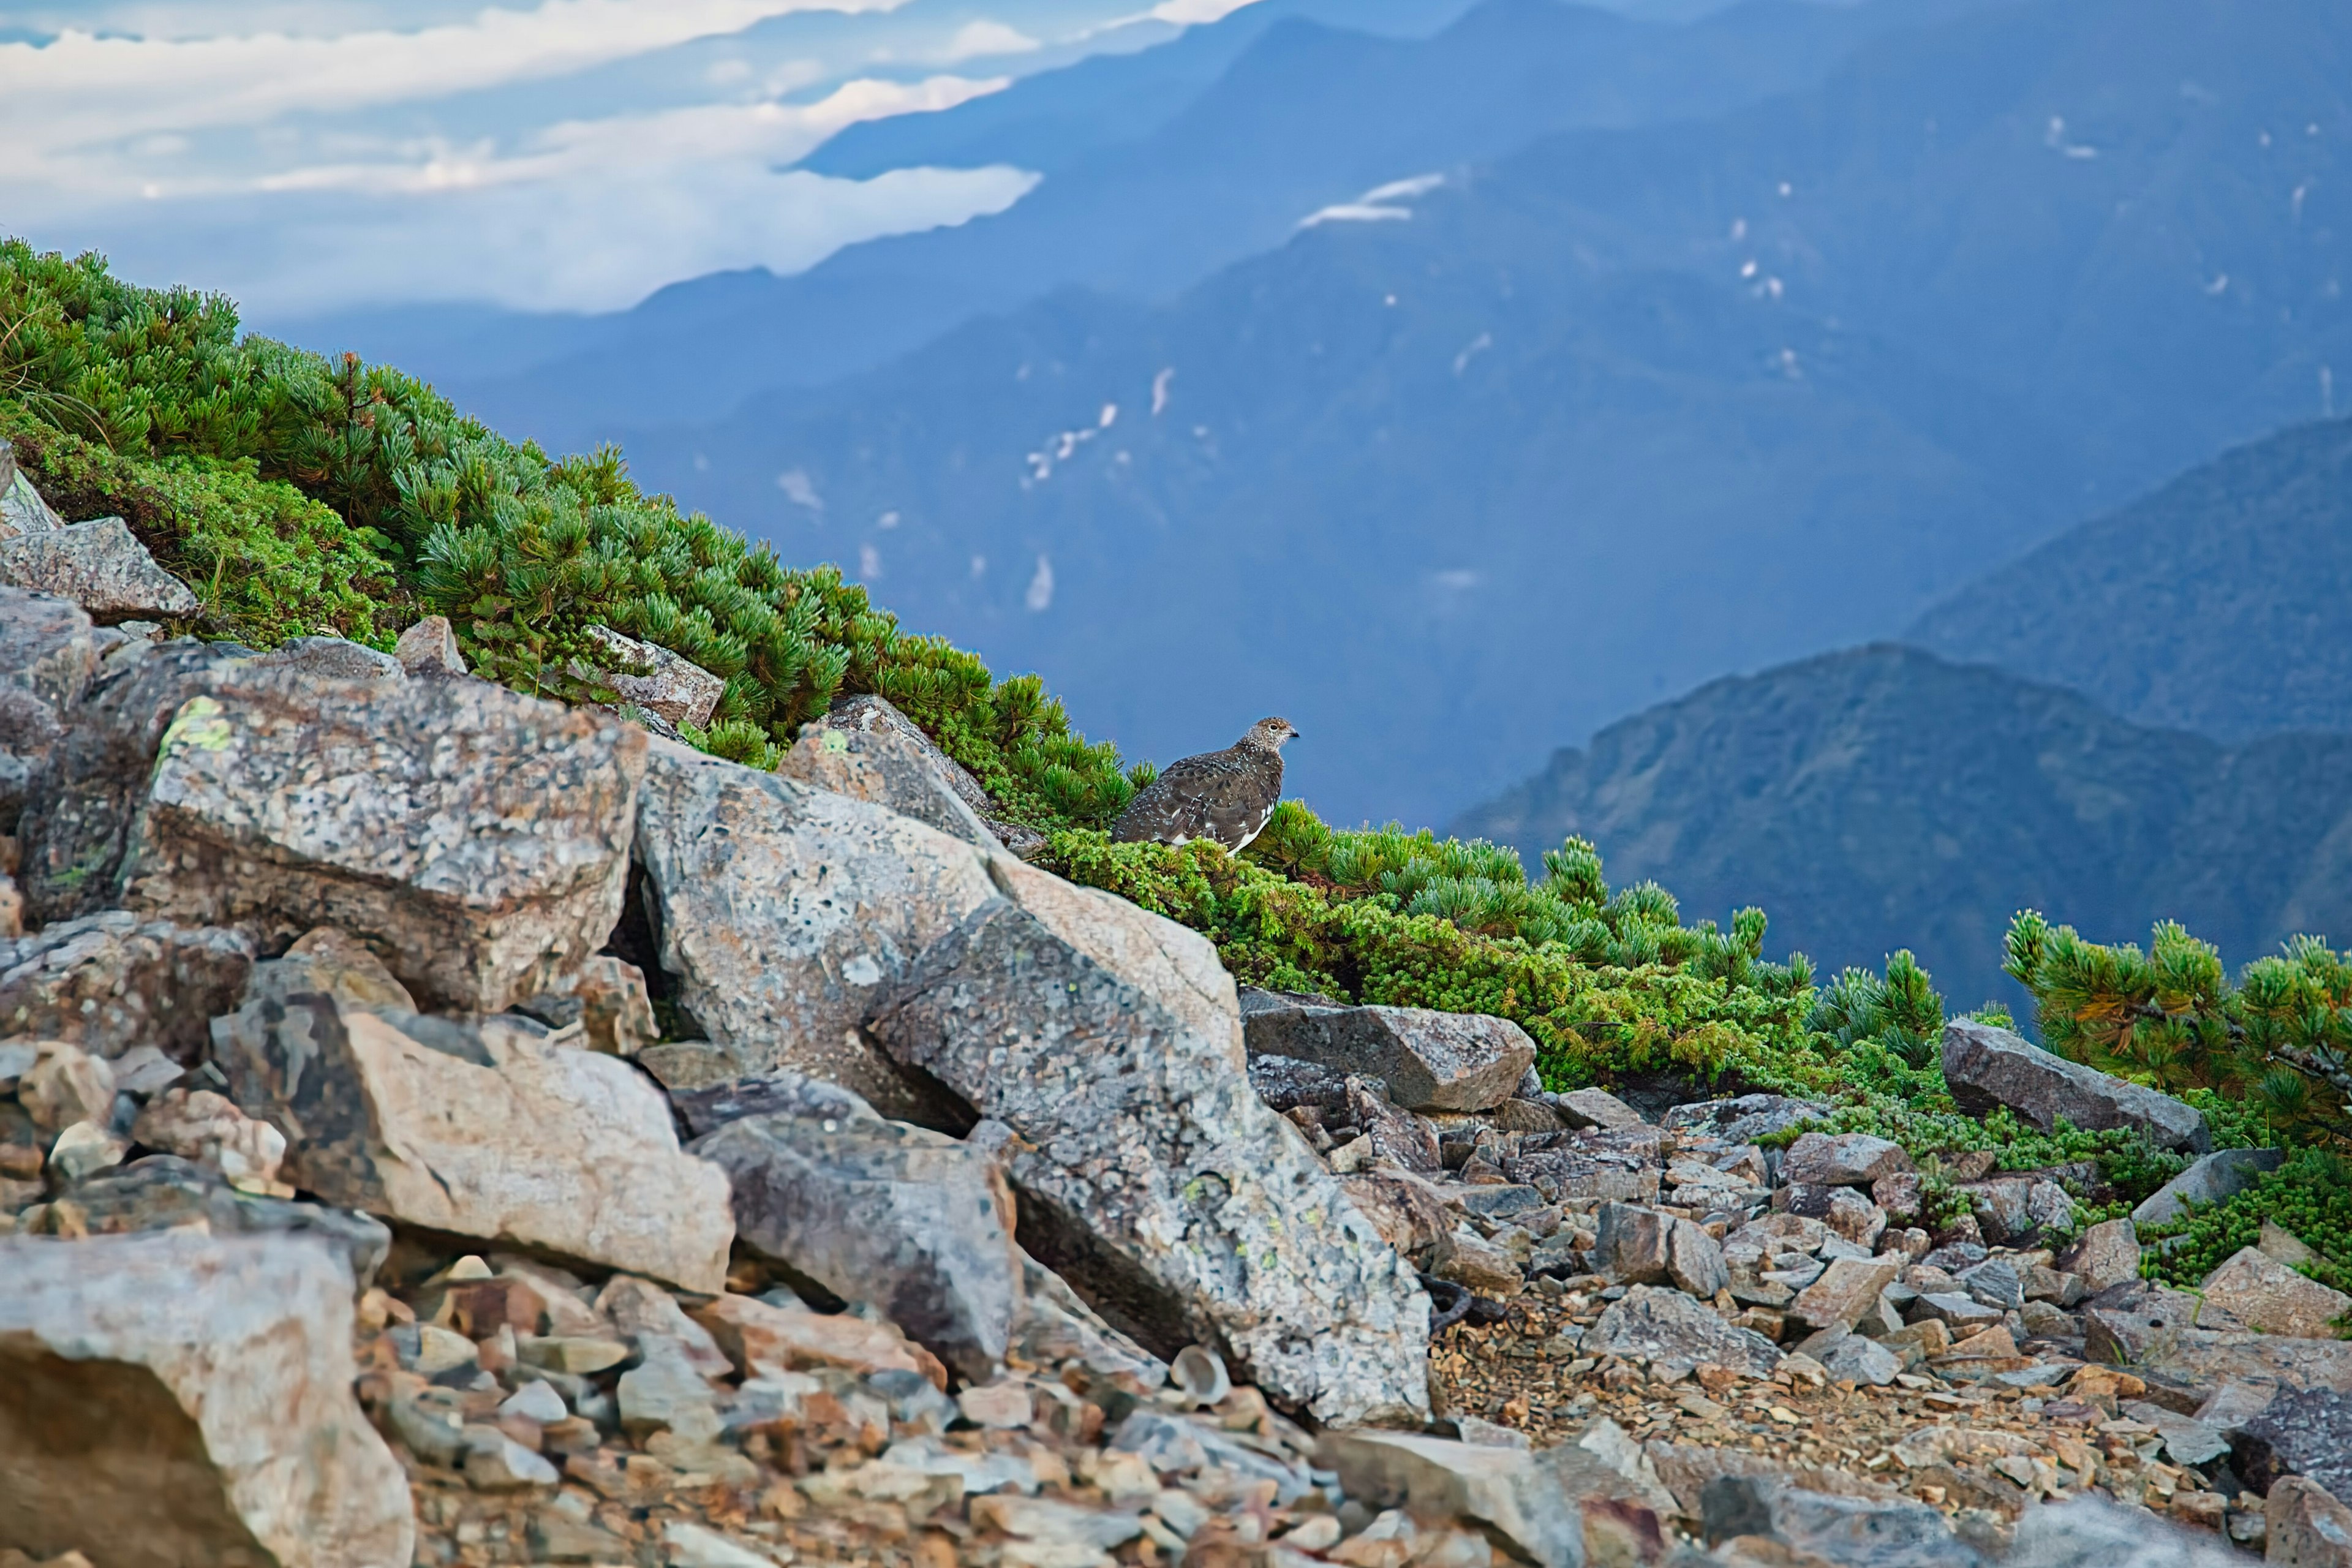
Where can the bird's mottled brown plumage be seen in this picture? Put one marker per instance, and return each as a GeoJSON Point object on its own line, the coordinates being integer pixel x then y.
{"type": "Point", "coordinates": [1223, 795]}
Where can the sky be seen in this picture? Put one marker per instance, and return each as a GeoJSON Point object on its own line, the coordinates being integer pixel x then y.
{"type": "Point", "coordinates": [318, 156]}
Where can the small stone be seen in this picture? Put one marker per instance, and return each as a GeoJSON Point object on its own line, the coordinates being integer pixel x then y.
{"type": "Point", "coordinates": [1857, 1360]}
{"type": "Point", "coordinates": [663, 683]}
{"type": "Point", "coordinates": [692, 1546]}
{"type": "Point", "coordinates": [1480, 1267]}
{"type": "Point", "coordinates": [573, 1354]}
{"type": "Point", "coordinates": [1200, 1372]}
{"type": "Point", "coordinates": [1994, 1282]}
{"type": "Point", "coordinates": [1667, 1326]}
{"type": "Point", "coordinates": [65, 1085]}
{"type": "Point", "coordinates": [1694, 1260]}
{"type": "Point", "coordinates": [430, 648]}
{"type": "Point", "coordinates": [1961, 1312]}
{"type": "Point", "coordinates": [208, 1128]}
{"type": "Point", "coordinates": [998, 1404]}
{"type": "Point", "coordinates": [536, 1400]}
{"type": "Point", "coordinates": [437, 1351]}
{"type": "Point", "coordinates": [497, 1463]}
{"type": "Point", "coordinates": [82, 1150]}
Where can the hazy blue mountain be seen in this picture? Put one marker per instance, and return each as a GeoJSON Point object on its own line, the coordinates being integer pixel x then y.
{"type": "Point", "coordinates": [1882, 798]}
{"type": "Point", "coordinates": [1450, 487]}
{"type": "Point", "coordinates": [2221, 604]}
{"type": "Point", "coordinates": [1056, 119]}
{"type": "Point", "coordinates": [1305, 116]}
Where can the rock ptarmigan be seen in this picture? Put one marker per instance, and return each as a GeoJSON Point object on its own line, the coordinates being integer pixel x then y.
{"type": "Point", "coordinates": [1225, 795]}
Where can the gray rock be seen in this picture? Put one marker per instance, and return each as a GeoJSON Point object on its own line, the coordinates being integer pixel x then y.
{"type": "Point", "coordinates": [2143, 1321]}
{"type": "Point", "coordinates": [1985, 1067]}
{"type": "Point", "coordinates": [1695, 1261]}
{"type": "Point", "coordinates": [1841, 1159]}
{"type": "Point", "coordinates": [2301, 1432]}
{"type": "Point", "coordinates": [79, 810]}
{"type": "Point", "coordinates": [1391, 1136]}
{"type": "Point", "coordinates": [785, 912]}
{"type": "Point", "coordinates": [2013, 1210]}
{"type": "Point", "coordinates": [2216, 1178]}
{"type": "Point", "coordinates": [1595, 1108]}
{"type": "Point", "coordinates": [874, 753]}
{"type": "Point", "coordinates": [480, 1129]}
{"type": "Point", "coordinates": [910, 1220]}
{"type": "Point", "coordinates": [661, 682]}
{"type": "Point", "coordinates": [1746, 1118]}
{"type": "Point", "coordinates": [331, 659]}
{"type": "Point", "coordinates": [2103, 1255]}
{"type": "Point", "coordinates": [607, 997]}
{"type": "Point", "coordinates": [2091, 1532]}
{"type": "Point", "coordinates": [2306, 1526]}
{"type": "Point", "coordinates": [1109, 1040]}
{"type": "Point", "coordinates": [1053, 1328]}
{"type": "Point", "coordinates": [478, 838]}
{"type": "Point", "coordinates": [429, 648]}
{"type": "Point", "coordinates": [1859, 1360]}
{"type": "Point", "coordinates": [1285, 1084]}
{"type": "Point", "coordinates": [112, 981]}
{"type": "Point", "coordinates": [1504, 1491]}
{"type": "Point", "coordinates": [192, 1395]}
{"type": "Point", "coordinates": [1966, 1314]}
{"type": "Point", "coordinates": [1630, 1245]}
{"type": "Point", "coordinates": [100, 565]}
{"type": "Point", "coordinates": [1430, 1060]}
{"type": "Point", "coordinates": [1849, 1531]}
{"type": "Point", "coordinates": [21, 509]}
{"type": "Point", "coordinates": [47, 649]}
{"type": "Point", "coordinates": [778, 1093]}
{"type": "Point", "coordinates": [1995, 1282]}
{"type": "Point", "coordinates": [1666, 1325]}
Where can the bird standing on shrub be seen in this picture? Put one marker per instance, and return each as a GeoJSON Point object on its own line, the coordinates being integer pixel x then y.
{"type": "Point", "coordinates": [1222, 796]}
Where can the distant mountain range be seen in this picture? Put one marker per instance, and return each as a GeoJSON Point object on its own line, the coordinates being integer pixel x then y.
{"type": "Point", "coordinates": [2221, 604]}
{"type": "Point", "coordinates": [1883, 798]}
{"type": "Point", "coordinates": [1159, 168]}
{"type": "Point", "coordinates": [1476, 465]}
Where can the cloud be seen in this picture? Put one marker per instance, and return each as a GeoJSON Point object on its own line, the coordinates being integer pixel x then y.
{"type": "Point", "coordinates": [976, 39]}
{"type": "Point", "coordinates": [81, 87]}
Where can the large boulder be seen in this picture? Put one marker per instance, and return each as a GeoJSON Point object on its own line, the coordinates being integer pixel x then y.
{"type": "Point", "coordinates": [185, 1398]}
{"type": "Point", "coordinates": [1150, 1174]}
{"type": "Point", "coordinates": [111, 981]}
{"type": "Point", "coordinates": [784, 911]}
{"type": "Point", "coordinates": [1746, 1118]}
{"type": "Point", "coordinates": [912, 1221]}
{"type": "Point", "coordinates": [2301, 1432]}
{"type": "Point", "coordinates": [100, 565]}
{"type": "Point", "coordinates": [481, 1130]}
{"type": "Point", "coordinates": [2214, 1179]}
{"type": "Point", "coordinates": [1430, 1060]}
{"type": "Point", "coordinates": [1985, 1067]}
{"type": "Point", "coordinates": [477, 838]}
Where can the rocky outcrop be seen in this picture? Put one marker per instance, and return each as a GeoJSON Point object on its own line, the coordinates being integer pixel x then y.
{"type": "Point", "coordinates": [917, 1223]}
{"type": "Point", "coordinates": [112, 981]}
{"type": "Point", "coordinates": [1109, 1040]}
{"type": "Point", "coordinates": [481, 1130]}
{"type": "Point", "coordinates": [1428, 1060]}
{"type": "Point", "coordinates": [191, 1394]}
{"type": "Point", "coordinates": [98, 565]}
{"type": "Point", "coordinates": [785, 912]}
{"type": "Point", "coordinates": [2265, 1294]}
{"type": "Point", "coordinates": [1986, 1066]}
{"type": "Point", "coordinates": [477, 838]}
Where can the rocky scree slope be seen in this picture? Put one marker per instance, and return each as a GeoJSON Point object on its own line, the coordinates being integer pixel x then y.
{"type": "Point", "coordinates": [353, 1175]}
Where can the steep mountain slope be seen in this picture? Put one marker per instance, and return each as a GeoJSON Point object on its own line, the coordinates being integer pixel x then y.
{"type": "Point", "coordinates": [1881, 798]}
{"type": "Point", "coordinates": [1305, 116]}
{"type": "Point", "coordinates": [1497, 461]}
{"type": "Point", "coordinates": [2221, 604]}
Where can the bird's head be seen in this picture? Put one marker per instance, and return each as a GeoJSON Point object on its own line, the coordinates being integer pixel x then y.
{"type": "Point", "coordinates": [1268, 735]}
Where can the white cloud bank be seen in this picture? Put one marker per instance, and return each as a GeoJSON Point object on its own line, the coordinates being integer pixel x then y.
{"type": "Point", "coordinates": [306, 166]}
